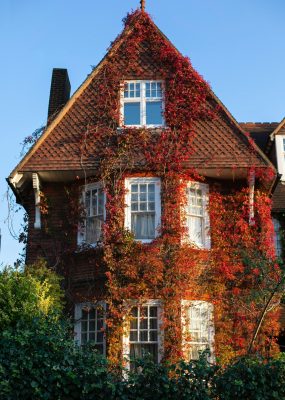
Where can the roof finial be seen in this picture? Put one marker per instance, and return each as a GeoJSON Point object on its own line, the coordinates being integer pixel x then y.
{"type": "Point", "coordinates": [143, 5]}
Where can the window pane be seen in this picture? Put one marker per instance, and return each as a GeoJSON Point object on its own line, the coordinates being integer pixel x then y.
{"type": "Point", "coordinates": [92, 325]}
{"type": "Point", "coordinates": [150, 196]}
{"type": "Point", "coordinates": [134, 311]}
{"type": "Point", "coordinates": [143, 323]}
{"type": "Point", "coordinates": [153, 336]}
{"type": "Point", "coordinates": [94, 202]}
{"type": "Point", "coordinates": [142, 350]}
{"type": "Point", "coordinates": [153, 311]}
{"type": "Point", "coordinates": [132, 114]}
{"type": "Point", "coordinates": [100, 337]}
{"type": "Point", "coordinates": [93, 229]}
{"type": "Point", "coordinates": [153, 323]}
{"type": "Point", "coordinates": [83, 338]}
{"type": "Point", "coordinates": [143, 196]}
{"type": "Point", "coordinates": [92, 336]}
{"type": "Point", "coordinates": [134, 336]}
{"type": "Point", "coordinates": [134, 323]}
{"type": "Point", "coordinates": [195, 225]}
{"type": "Point", "coordinates": [147, 89]}
{"type": "Point", "coordinates": [138, 89]}
{"type": "Point", "coordinates": [100, 202]}
{"type": "Point", "coordinates": [134, 197]}
{"type": "Point", "coordinates": [100, 324]}
{"type": "Point", "coordinates": [84, 326]}
{"type": "Point", "coordinates": [134, 207]}
{"type": "Point", "coordinates": [142, 225]}
{"type": "Point", "coordinates": [154, 113]}
{"type": "Point", "coordinates": [143, 336]}
{"type": "Point", "coordinates": [87, 202]}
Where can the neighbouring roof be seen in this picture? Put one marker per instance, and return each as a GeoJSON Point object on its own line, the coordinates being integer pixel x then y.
{"type": "Point", "coordinates": [219, 142]}
{"type": "Point", "coordinates": [278, 198]}
{"type": "Point", "coordinates": [260, 132]}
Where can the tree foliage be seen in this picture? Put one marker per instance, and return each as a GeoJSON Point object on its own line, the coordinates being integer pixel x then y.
{"type": "Point", "coordinates": [28, 293]}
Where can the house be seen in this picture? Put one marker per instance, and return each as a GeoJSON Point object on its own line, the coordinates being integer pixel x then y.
{"type": "Point", "coordinates": [145, 194]}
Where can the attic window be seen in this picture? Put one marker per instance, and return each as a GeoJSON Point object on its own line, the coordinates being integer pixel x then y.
{"type": "Point", "coordinates": [142, 104]}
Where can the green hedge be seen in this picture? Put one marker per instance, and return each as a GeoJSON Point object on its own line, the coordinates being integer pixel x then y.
{"type": "Point", "coordinates": [41, 362]}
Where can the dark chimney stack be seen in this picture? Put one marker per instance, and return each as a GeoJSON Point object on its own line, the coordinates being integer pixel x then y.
{"type": "Point", "coordinates": [59, 92]}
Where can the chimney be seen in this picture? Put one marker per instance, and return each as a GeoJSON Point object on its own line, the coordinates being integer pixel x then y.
{"type": "Point", "coordinates": [59, 92]}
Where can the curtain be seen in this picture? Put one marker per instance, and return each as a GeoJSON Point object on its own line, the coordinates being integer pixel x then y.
{"type": "Point", "coordinates": [143, 225]}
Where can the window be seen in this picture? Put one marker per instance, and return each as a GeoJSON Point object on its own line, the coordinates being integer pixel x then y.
{"type": "Point", "coordinates": [143, 209]}
{"type": "Point", "coordinates": [142, 104]}
{"type": "Point", "coordinates": [144, 336]}
{"type": "Point", "coordinates": [90, 325]}
{"type": "Point", "coordinates": [93, 200]}
{"type": "Point", "coordinates": [277, 237]}
{"type": "Point", "coordinates": [197, 328]}
{"type": "Point", "coordinates": [280, 153]}
{"type": "Point", "coordinates": [197, 217]}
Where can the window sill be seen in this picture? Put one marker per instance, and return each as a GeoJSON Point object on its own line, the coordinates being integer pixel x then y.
{"type": "Point", "coordinates": [83, 246]}
{"type": "Point", "coordinates": [155, 127]}
{"type": "Point", "coordinates": [145, 241]}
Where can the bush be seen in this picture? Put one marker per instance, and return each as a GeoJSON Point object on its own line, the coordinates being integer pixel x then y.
{"type": "Point", "coordinates": [252, 378]}
{"type": "Point", "coordinates": [43, 362]}
{"type": "Point", "coordinates": [191, 381]}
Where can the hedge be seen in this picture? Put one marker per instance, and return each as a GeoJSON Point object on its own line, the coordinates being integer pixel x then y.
{"type": "Point", "coordinates": [41, 362]}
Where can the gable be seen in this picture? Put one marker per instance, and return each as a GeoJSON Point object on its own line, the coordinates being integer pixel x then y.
{"type": "Point", "coordinates": [68, 143]}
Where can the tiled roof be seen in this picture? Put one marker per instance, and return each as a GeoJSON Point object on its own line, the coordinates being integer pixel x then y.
{"type": "Point", "coordinates": [218, 142]}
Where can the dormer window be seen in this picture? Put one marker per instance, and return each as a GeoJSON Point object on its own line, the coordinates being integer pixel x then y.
{"type": "Point", "coordinates": [142, 104]}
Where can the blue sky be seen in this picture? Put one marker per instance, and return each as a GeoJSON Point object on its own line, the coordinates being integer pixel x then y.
{"type": "Point", "coordinates": [238, 46]}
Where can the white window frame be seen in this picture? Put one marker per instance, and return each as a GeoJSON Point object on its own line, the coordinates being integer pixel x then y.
{"type": "Point", "coordinates": [186, 331]}
{"type": "Point", "coordinates": [128, 218]}
{"type": "Point", "coordinates": [280, 154]}
{"type": "Point", "coordinates": [206, 238]}
{"type": "Point", "coordinates": [142, 100]}
{"type": "Point", "coordinates": [81, 234]}
{"type": "Point", "coordinates": [78, 319]}
{"type": "Point", "coordinates": [160, 334]}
